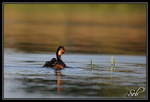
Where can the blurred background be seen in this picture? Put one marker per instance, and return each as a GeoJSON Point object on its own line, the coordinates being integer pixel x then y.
{"type": "Point", "coordinates": [81, 28]}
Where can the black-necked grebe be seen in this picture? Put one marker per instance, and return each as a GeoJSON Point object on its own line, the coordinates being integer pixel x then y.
{"type": "Point", "coordinates": [56, 63]}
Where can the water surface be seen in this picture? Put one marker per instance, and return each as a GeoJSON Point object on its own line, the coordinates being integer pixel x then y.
{"type": "Point", "coordinates": [91, 28]}
{"type": "Point", "coordinates": [33, 32]}
{"type": "Point", "coordinates": [24, 76]}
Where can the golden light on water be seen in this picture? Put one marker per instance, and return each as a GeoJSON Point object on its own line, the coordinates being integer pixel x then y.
{"type": "Point", "coordinates": [91, 28]}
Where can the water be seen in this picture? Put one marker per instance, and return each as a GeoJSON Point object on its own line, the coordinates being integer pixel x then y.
{"type": "Point", "coordinates": [87, 28]}
{"type": "Point", "coordinates": [24, 76]}
{"type": "Point", "coordinates": [89, 32]}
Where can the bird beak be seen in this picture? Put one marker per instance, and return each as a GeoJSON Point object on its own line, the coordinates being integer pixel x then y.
{"type": "Point", "coordinates": [63, 51]}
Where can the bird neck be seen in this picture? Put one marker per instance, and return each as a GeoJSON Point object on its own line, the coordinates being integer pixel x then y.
{"type": "Point", "coordinates": [58, 57]}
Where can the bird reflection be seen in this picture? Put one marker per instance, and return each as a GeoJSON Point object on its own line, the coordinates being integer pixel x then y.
{"type": "Point", "coordinates": [59, 77]}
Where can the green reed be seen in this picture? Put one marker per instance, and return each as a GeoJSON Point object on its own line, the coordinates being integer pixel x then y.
{"type": "Point", "coordinates": [113, 64]}
{"type": "Point", "coordinates": [91, 65]}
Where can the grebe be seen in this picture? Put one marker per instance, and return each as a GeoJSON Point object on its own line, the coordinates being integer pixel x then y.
{"type": "Point", "coordinates": [56, 63]}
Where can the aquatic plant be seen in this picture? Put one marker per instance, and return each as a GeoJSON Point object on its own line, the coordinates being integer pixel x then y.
{"type": "Point", "coordinates": [112, 66]}
{"type": "Point", "coordinates": [113, 63]}
{"type": "Point", "coordinates": [91, 65]}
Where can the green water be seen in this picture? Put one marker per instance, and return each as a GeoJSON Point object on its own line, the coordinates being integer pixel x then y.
{"type": "Point", "coordinates": [81, 28]}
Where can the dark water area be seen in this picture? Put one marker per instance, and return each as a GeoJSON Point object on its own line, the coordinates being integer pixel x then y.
{"type": "Point", "coordinates": [102, 42]}
{"type": "Point", "coordinates": [102, 29]}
